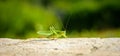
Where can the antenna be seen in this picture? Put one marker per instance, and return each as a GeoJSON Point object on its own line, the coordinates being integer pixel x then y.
{"type": "Point", "coordinates": [67, 21]}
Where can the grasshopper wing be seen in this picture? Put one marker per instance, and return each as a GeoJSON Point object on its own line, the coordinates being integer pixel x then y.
{"type": "Point", "coordinates": [44, 32]}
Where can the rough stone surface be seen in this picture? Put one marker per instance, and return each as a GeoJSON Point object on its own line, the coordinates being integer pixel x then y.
{"type": "Point", "coordinates": [60, 47]}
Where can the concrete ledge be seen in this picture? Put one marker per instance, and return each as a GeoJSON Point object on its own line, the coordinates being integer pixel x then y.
{"type": "Point", "coordinates": [60, 47]}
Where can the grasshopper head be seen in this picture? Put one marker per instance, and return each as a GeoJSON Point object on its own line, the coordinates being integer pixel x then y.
{"type": "Point", "coordinates": [63, 33]}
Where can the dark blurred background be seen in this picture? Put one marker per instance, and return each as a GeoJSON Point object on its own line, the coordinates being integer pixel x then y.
{"type": "Point", "coordinates": [80, 18]}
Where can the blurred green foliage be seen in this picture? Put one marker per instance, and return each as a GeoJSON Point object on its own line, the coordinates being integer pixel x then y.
{"type": "Point", "coordinates": [92, 15]}
{"type": "Point", "coordinates": [23, 18]}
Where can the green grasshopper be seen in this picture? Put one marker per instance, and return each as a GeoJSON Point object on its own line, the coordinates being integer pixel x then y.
{"type": "Point", "coordinates": [53, 33]}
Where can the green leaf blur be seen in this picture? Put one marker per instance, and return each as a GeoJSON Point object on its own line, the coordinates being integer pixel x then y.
{"type": "Point", "coordinates": [80, 18]}
{"type": "Point", "coordinates": [21, 18]}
